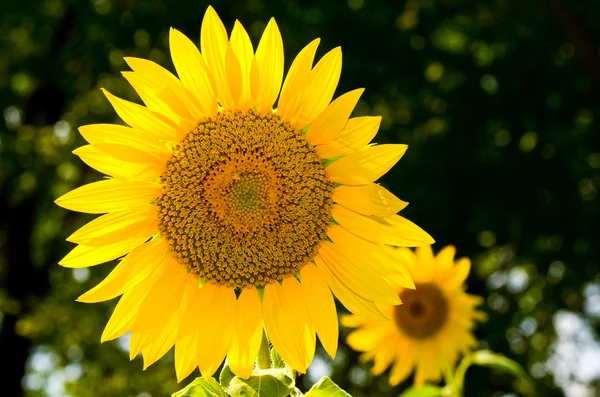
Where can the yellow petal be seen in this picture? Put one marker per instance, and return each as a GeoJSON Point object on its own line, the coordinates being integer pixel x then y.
{"type": "Point", "coordinates": [287, 323]}
{"type": "Point", "coordinates": [403, 365]}
{"type": "Point", "coordinates": [186, 350]}
{"type": "Point", "coordinates": [140, 263]}
{"type": "Point", "coordinates": [369, 338]}
{"type": "Point", "coordinates": [360, 278]}
{"type": "Point", "coordinates": [215, 340]}
{"type": "Point", "coordinates": [427, 367]}
{"type": "Point", "coordinates": [393, 230]}
{"type": "Point", "coordinates": [366, 165]}
{"type": "Point", "coordinates": [354, 303]}
{"type": "Point", "coordinates": [111, 228]}
{"type": "Point", "coordinates": [110, 287]}
{"type": "Point", "coordinates": [123, 316]}
{"type": "Point", "coordinates": [424, 272]}
{"type": "Point", "coordinates": [371, 199]}
{"type": "Point", "coordinates": [296, 82]}
{"type": "Point", "coordinates": [137, 342]}
{"type": "Point", "coordinates": [213, 43]}
{"type": "Point", "coordinates": [171, 86]}
{"type": "Point", "coordinates": [321, 307]}
{"type": "Point", "coordinates": [160, 98]}
{"type": "Point", "coordinates": [248, 336]}
{"type": "Point", "coordinates": [445, 260]}
{"type": "Point", "coordinates": [194, 302]}
{"type": "Point", "coordinates": [102, 162]}
{"type": "Point", "coordinates": [365, 253]}
{"type": "Point", "coordinates": [357, 134]}
{"type": "Point", "coordinates": [333, 119]}
{"type": "Point", "coordinates": [425, 255]}
{"type": "Point", "coordinates": [149, 264]}
{"type": "Point", "coordinates": [353, 321]}
{"type": "Point", "coordinates": [323, 82]}
{"type": "Point", "coordinates": [269, 60]}
{"type": "Point", "coordinates": [85, 256]}
{"type": "Point", "coordinates": [385, 355]}
{"type": "Point", "coordinates": [162, 300]}
{"type": "Point", "coordinates": [143, 119]}
{"type": "Point", "coordinates": [160, 345]}
{"type": "Point", "coordinates": [131, 154]}
{"type": "Point", "coordinates": [194, 74]}
{"type": "Point", "coordinates": [403, 256]}
{"type": "Point", "coordinates": [243, 50]}
{"type": "Point", "coordinates": [460, 273]}
{"type": "Point", "coordinates": [109, 195]}
{"type": "Point", "coordinates": [122, 135]}
{"type": "Point", "coordinates": [234, 75]}
{"type": "Point", "coordinates": [414, 234]}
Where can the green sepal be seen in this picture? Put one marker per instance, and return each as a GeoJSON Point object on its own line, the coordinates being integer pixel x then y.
{"type": "Point", "coordinates": [200, 387]}
{"type": "Point", "coordinates": [326, 388]}
{"type": "Point", "coordinates": [261, 292]}
{"type": "Point", "coordinates": [329, 161]}
{"type": "Point", "coordinates": [276, 359]}
{"type": "Point", "coordinates": [423, 391]}
{"type": "Point", "coordinates": [272, 382]}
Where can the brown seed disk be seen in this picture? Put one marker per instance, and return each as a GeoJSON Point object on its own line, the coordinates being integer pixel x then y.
{"type": "Point", "coordinates": [423, 313]}
{"type": "Point", "coordinates": [245, 201]}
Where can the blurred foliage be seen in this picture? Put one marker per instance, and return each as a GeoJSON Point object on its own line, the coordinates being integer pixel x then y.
{"type": "Point", "coordinates": [497, 99]}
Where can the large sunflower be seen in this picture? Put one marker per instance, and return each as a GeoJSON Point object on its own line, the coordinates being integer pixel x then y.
{"type": "Point", "coordinates": [233, 216]}
{"type": "Point", "coordinates": [432, 326]}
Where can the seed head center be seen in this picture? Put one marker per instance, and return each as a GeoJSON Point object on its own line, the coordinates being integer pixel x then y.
{"type": "Point", "coordinates": [424, 311]}
{"type": "Point", "coordinates": [245, 200]}
{"type": "Point", "coordinates": [247, 193]}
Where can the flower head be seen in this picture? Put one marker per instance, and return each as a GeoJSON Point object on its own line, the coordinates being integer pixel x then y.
{"type": "Point", "coordinates": [231, 216]}
{"type": "Point", "coordinates": [432, 326]}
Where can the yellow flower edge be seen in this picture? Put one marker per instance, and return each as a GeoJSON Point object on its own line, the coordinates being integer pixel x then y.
{"type": "Point", "coordinates": [430, 329]}
{"type": "Point", "coordinates": [230, 216]}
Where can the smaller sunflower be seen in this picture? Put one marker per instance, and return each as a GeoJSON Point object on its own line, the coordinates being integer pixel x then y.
{"type": "Point", "coordinates": [432, 326]}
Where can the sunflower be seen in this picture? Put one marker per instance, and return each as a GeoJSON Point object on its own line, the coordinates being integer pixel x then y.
{"type": "Point", "coordinates": [231, 216]}
{"type": "Point", "coordinates": [432, 326]}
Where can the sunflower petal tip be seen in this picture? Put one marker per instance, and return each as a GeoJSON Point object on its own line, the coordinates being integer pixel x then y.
{"type": "Point", "coordinates": [210, 12]}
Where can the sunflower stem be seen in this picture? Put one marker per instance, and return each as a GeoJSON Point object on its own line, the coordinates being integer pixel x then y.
{"type": "Point", "coordinates": [459, 376]}
{"type": "Point", "coordinates": [264, 354]}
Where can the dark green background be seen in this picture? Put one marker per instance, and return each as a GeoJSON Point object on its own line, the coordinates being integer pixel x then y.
{"type": "Point", "coordinates": [497, 100]}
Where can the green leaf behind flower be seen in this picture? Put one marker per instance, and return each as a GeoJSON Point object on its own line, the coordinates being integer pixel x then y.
{"type": "Point", "coordinates": [273, 382]}
{"type": "Point", "coordinates": [423, 391]}
{"type": "Point", "coordinates": [326, 388]}
{"type": "Point", "coordinates": [201, 388]}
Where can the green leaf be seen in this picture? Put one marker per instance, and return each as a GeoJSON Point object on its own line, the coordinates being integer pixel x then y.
{"type": "Point", "coordinates": [273, 382]}
{"type": "Point", "coordinates": [326, 388]}
{"type": "Point", "coordinates": [487, 358]}
{"type": "Point", "coordinates": [201, 388]}
{"type": "Point", "coordinates": [226, 376]}
{"type": "Point", "coordinates": [423, 391]}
